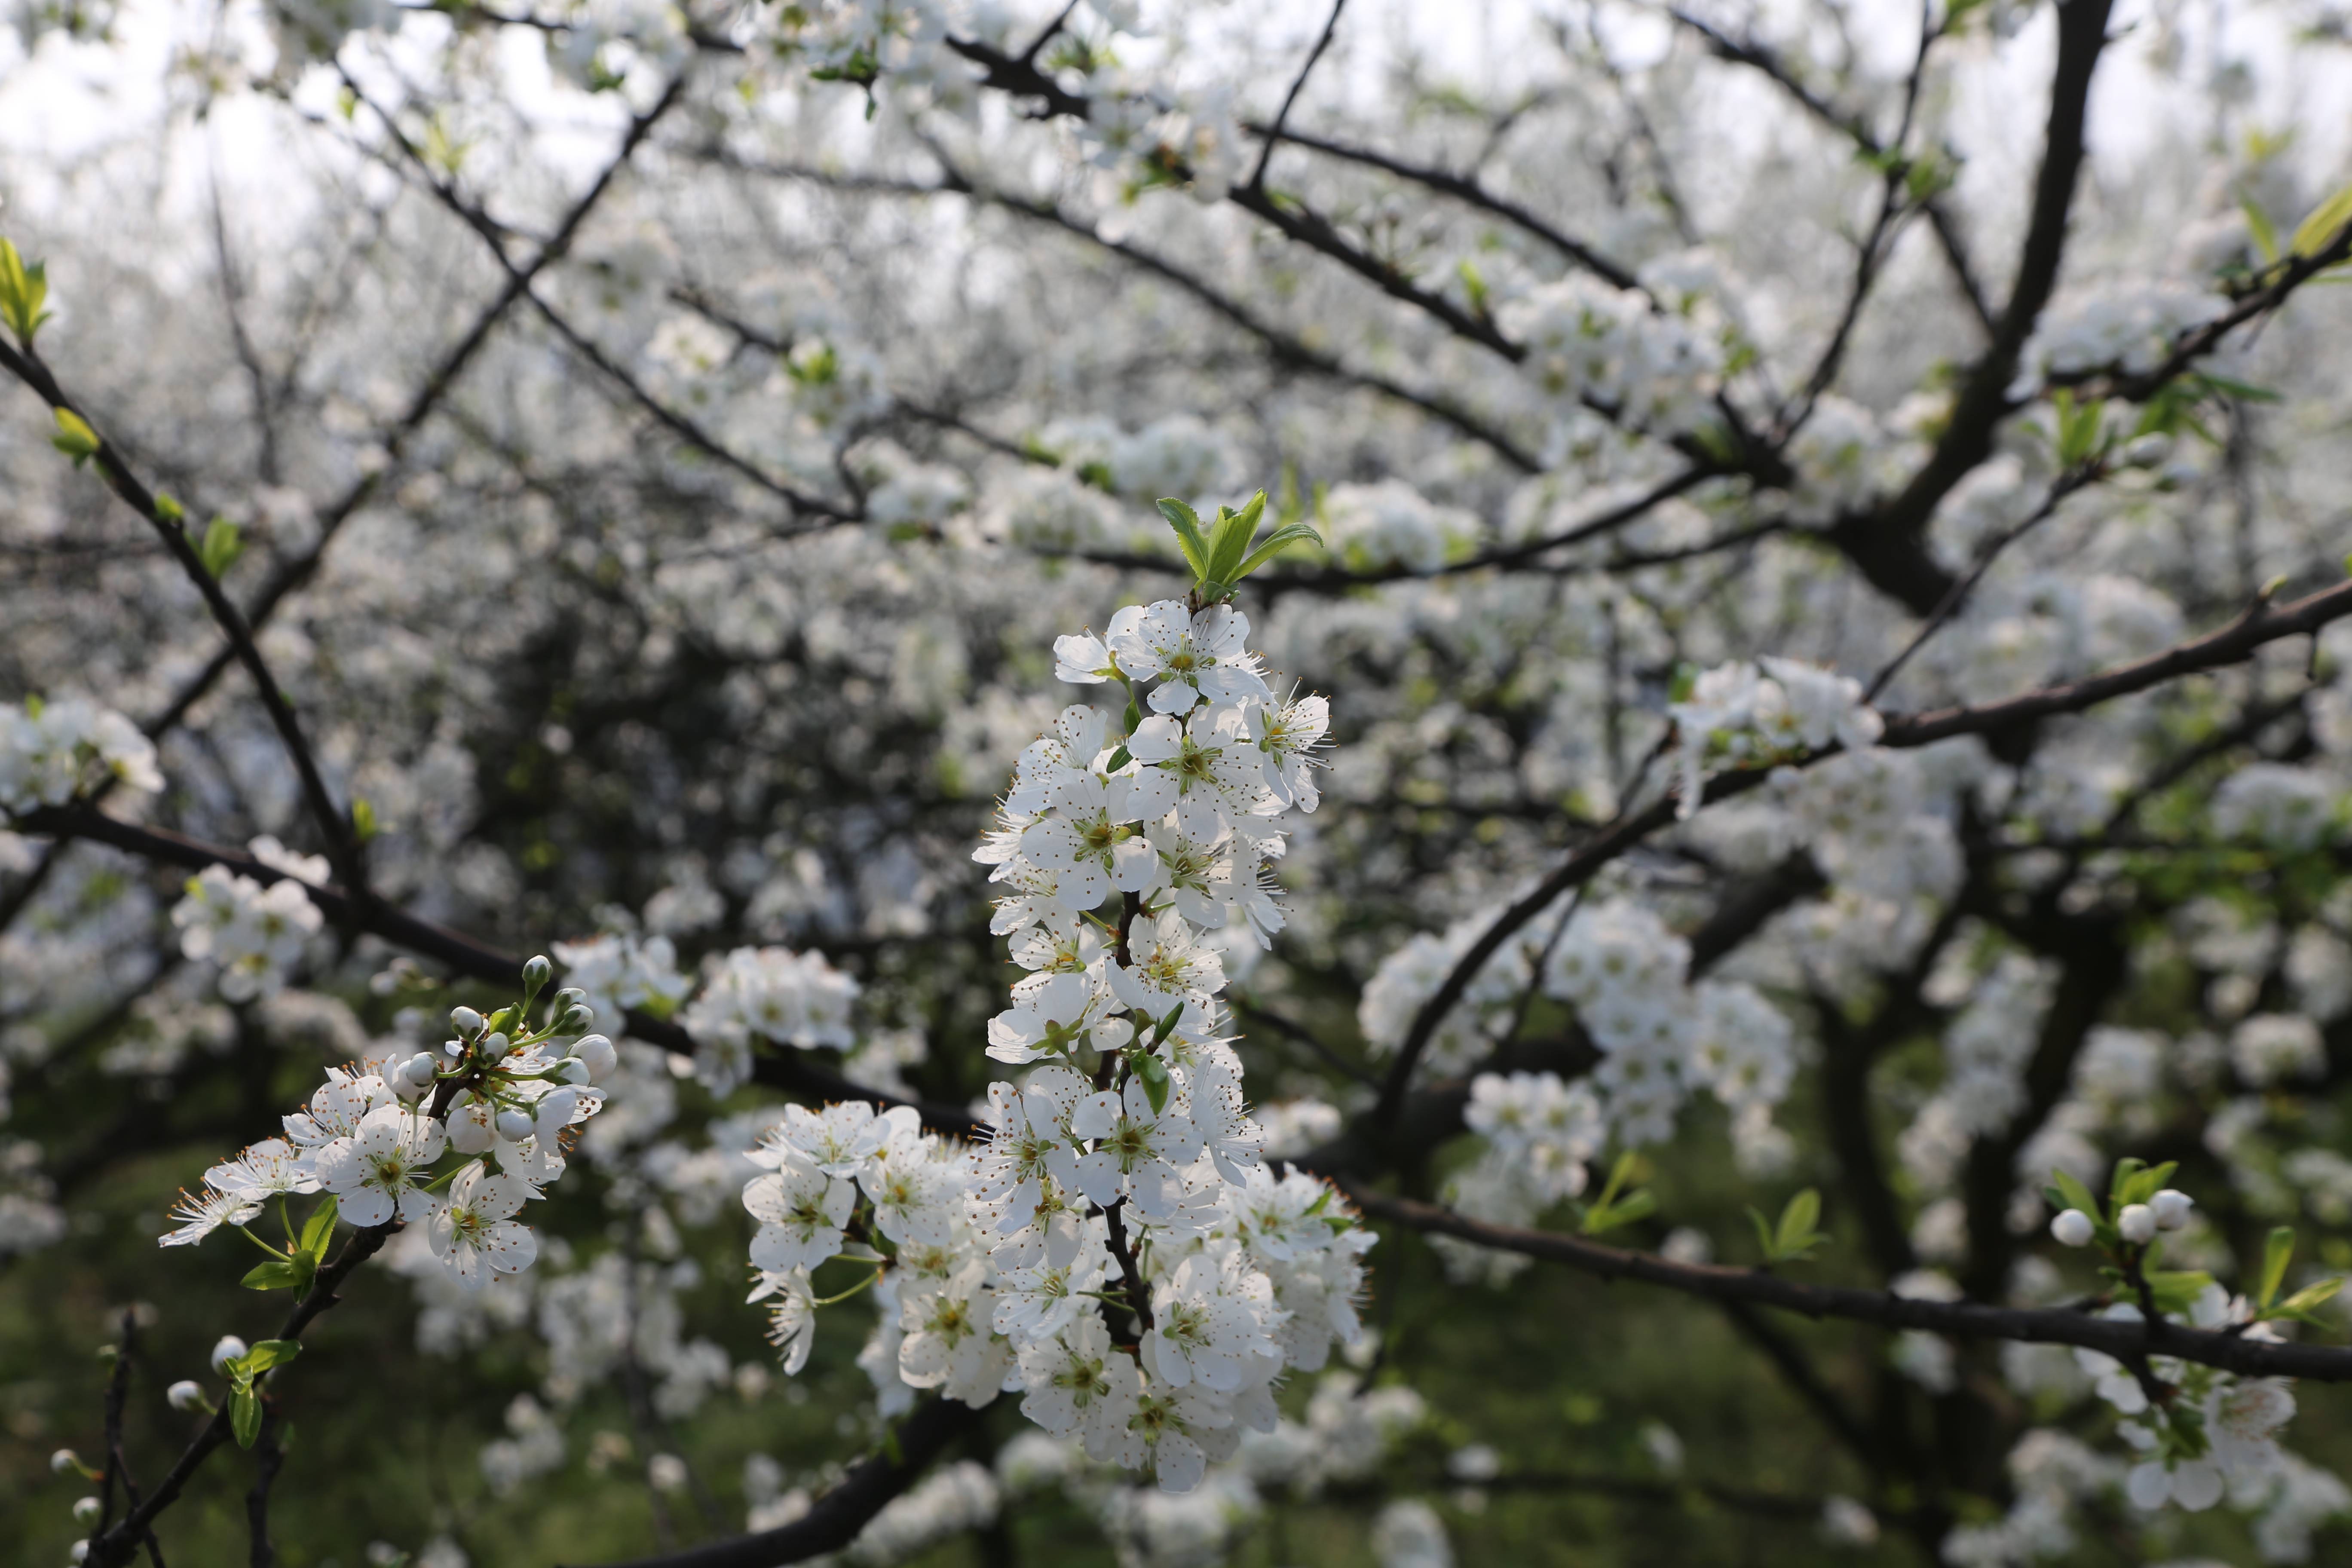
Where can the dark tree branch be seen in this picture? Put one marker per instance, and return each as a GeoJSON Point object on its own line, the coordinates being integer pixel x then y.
{"type": "Point", "coordinates": [2120, 1338]}
{"type": "Point", "coordinates": [116, 1545]}
{"type": "Point", "coordinates": [834, 1519]}
{"type": "Point", "coordinates": [1274, 133]}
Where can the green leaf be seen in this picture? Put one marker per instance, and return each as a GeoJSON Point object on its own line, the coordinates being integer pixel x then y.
{"type": "Point", "coordinates": [22, 290]}
{"type": "Point", "coordinates": [2315, 233]}
{"type": "Point", "coordinates": [1153, 1072]}
{"type": "Point", "coordinates": [2145, 1184]}
{"type": "Point", "coordinates": [272, 1277]}
{"type": "Point", "coordinates": [2074, 1194]}
{"type": "Point", "coordinates": [2258, 223]}
{"type": "Point", "coordinates": [319, 1230]}
{"type": "Point", "coordinates": [1763, 1231]}
{"type": "Point", "coordinates": [1230, 543]}
{"type": "Point", "coordinates": [363, 823]}
{"type": "Point", "coordinates": [224, 542]}
{"type": "Point", "coordinates": [169, 509]}
{"type": "Point", "coordinates": [2276, 1251]}
{"type": "Point", "coordinates": [244, 1417]}
{"type": "Point", "coordinates": [1167, 1026]}
{"type": "Point", "coordinates": [2311, 1296]}
{"type": "Point", "coordinates": [267, 1353]}
{"type": "Point", "coordinates": [74, 438]}
{"type": "Point", "coordinates": [1796, 1233]}
{"type": "Point", "coordinates": [1187, 524]}
{"type": "Point", "coordinates": [1281, 539]}
{"type": "Point", "coordinates": [2176, 1290]}
{"type": "Point", "coordinates": [2127, 1167]}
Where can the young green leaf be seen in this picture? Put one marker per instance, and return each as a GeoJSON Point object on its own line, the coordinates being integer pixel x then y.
{"type": "Point", "coordinates": [1796, 1237]}
{"type": "Point", "coordinates": [2259, 225]}
{"type": "Point", "coordinates": [2316, 232]}
{"type": "Point", "coordinates": [22, 290]}
{"type": "Point", "coordinates": [2276, 1251]}
{"type": "Point", "coordinates": [1281, 539]}
{"type": "Point", "coordinates": [224, 541]}
{"type": "Point", "coordinates": [244, 1417]}
{"type": "Point", "coordinates": [319, 1229]}
{"type": "Point", "coordinates": [2304, 1301]}
{"type": "Point", "coordinates": [74, 438]}
{"type": "Point", "coordinates": [271, 1276]}
{"type": "Point", "coordinates": [2074, 1194]}
{"type": "Point", "coordinates": [1187, 524]}
{"type": "Point", "coordinates": [1153, 1073]}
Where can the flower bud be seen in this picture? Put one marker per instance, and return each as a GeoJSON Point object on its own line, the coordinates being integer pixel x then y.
{"type": "Point", "coordinates": [568, 996]}
{"type": "Point", "coordinates": [184, 1395]}
{"type": "Point", "coordinates": [576, 1020]}
{"type": "Point", "coordinates": [78, 1554]}
{"type": "Point", "coordinates": [2136, 1223]}
{"type": "Point", "coordinates": [555, 1113]}
{"type": "Point", "coordinates": [571, 1072]}
{"type": "Point", "coordinates": [420, 1068]}
{"type": "Point", "coordinates": [230, 1349]}
{"type": "Point", "coordinates": [85, 1511]}
{"type": "Point", "coordinates": [514, 1126]}
{"type": "Point", "coordinates": [64, 1459]}
{"type": "Point", "coordinates": [496, 1046]}
{"type": "Point", "coordinates": [598, 1055]}
{"type": "Point", "coordinates": [537, 972]}
{"type": "Point", "coordinates": [2072, 1228]}
{"type": "Point", "coordinates": [2171, 1207]}
{"type": "Point", "coordinates": [466, 1021]}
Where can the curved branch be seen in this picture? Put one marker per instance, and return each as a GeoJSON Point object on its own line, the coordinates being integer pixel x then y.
{"type": "Point", "coordinates": [834, 1519]}
{"type": "Point", "coordinates": [2120, 1338]}
{"type": "Point", "coordinates": [2231, 644]}
{"type": "Point", "coordinates": [118, 1544]}
{"type": "Point", "coordinates": [793, 1070]}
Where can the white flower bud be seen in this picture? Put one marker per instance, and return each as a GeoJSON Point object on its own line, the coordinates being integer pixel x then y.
{"type": "Point", "coordinates": [555, 1113]}
{"type": "Point", "coordinates": [496, 1047]}
{"type": "Point", "coordinates": [598, 1055]}
{"type": "Point", "coordinates": [85, 1511]}
{"type": "Point", "coordinates": [2136, 1223]}
{"type": "Point", "coordinates": [568, 996]}
{"type": "Point", "coordinates": [514, 1126]}
{"type": "Point", "coordinates": [77, 1552]}
{"type": "Point", "coordinates": [2171, 1207]}
{"type": "Point", "coordinates": [230, 1349]}
{"type": "Point", "coordinates": [466, 1021]}
{"type": "Point", "coordinates": [2071, 1228]}
{"type": "Point", "coordinates": [184, 1395]}
{"type": "Point", "coordinates": [572, 1072]}
{"type": "Point", "coordinates": [64, 1459]}
{"type": "Point", "coordinates": [420, 1068]}
{"type": "Point", "coordinates": [575, 1020]}
{"type": "Point", "coordinates": [537, 972]}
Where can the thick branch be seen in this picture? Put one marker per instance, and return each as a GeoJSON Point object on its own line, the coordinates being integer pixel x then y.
{"type": "Point", "coordinates": [834, 1519]}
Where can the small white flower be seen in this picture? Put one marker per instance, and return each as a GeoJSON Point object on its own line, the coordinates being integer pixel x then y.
{"type": "Point", "coordinates": [473, 1233]}
{"type": "Point", "coordinates": [380, 1169]}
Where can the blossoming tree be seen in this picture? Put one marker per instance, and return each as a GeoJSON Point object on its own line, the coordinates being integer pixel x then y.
{"type": "Point", "coordinates": [1192, 712]}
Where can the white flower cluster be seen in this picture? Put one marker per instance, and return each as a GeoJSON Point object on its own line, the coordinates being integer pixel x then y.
{"type": "Point", "coordinates": [1609, 349]}
{"type": "Point", "coordinates": [2286, 807]}
{"type": "Point", "coordinates": [1116, 1250]}
{"type": "Point", "coordinates": [254, 933]}
{"type": "Point", "coordinates": [376, 1140]}
{"type": "Point", "coordinates": [52, 751]}
{"type": "Point", "coordinates": [768, 993]}
{"type": "Point", "coordinates": [619, 972]}
{"type": "Point", "coordinates": [1740, 714]}
{"type": "Point", "coordinates": [1661, 1038]}
{"type": "Point", "coordinates": [1392, 525]}
{"type": "Point", "coordinates": [2235, 1415]}
{"type": "Point", "coordinates": [2124, 327]}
